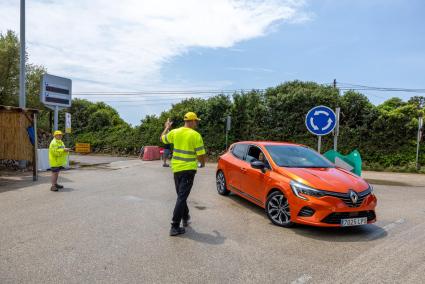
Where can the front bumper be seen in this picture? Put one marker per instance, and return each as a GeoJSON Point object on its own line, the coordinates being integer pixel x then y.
{"type": "Point", "coordinates": [329, 210]}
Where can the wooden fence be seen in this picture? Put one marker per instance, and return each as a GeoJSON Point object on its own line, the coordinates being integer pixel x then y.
{"type": "Point", "coordinates": [14, 140]}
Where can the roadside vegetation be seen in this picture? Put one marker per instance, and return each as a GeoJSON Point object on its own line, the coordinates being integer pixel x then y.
{"type": "Point", "coordinates": [385, 134]}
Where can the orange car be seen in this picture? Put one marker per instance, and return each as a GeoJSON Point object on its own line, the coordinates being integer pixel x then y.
{"type": "Point", "coordinates": [295, 184]}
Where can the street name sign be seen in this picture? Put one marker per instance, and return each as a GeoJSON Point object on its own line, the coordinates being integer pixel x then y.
{"type": "Point", "coordinates": [67, 122]}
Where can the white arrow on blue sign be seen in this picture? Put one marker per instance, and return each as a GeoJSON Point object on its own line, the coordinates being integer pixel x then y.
{"type": "Point", "coordinates": [320, 120]}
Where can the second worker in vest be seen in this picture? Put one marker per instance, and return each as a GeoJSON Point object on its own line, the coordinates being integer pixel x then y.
{"type": "Point", "coordinates": [188, 151]}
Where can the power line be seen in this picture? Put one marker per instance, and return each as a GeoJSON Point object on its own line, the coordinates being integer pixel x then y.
{"type": "Point", "coordinates": [170, 92]}
{"type": "Point", "coordinates": [349, 86]}
{"type": "Point", "coordinates": [157, 97]}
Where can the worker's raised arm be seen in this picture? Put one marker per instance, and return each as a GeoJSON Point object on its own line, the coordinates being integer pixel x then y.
{"type": "Point", "coordinates": [163, 138]}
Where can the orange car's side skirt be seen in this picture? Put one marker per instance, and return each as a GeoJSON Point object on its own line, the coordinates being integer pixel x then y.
{"type": "Point", "coordinates": [246, 196]}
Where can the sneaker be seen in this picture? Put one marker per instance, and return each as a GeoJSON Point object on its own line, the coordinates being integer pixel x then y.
{"type": "Point", "coordinates": [53, 188]}
{"type": "Point", "coordinates": [59, 186]}
{"type": "Point", "coordinates": [186, 222]}
{"type": "Point", "coordinates": [166, 165]}
{"type": "Point", "coordinates": [174, 231]}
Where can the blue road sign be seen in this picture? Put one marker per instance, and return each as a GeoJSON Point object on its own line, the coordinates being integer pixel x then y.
{"type": "Point", "coordinates": [320, 120]}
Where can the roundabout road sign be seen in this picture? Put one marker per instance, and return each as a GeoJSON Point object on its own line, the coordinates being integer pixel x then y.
{"type": "Point", "coordinates": [320, 120]}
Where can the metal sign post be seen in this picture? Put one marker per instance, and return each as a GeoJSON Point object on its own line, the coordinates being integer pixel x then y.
{"type": "Point", "coordinates": [67, 122]}
{"type": "Point", "coordinates": [56, 119]}
{"type": "Point", "coordinates": [420, 124]}
{"type": "Point", "coordinates": [336, 130]}
{"type": "Point", "coordinates": [319, 143]}
{"type": "Point", "coordinates": [320, 120]}
{"type": "Point", "coordinates": [228, 127]}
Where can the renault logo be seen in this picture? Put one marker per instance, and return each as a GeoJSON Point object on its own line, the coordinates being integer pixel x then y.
{"type": "Point", "coordinates": [354, 197]}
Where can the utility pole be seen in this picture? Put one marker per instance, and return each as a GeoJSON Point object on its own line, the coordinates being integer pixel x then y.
{"type": "Point", "coordinates": [22, 99]}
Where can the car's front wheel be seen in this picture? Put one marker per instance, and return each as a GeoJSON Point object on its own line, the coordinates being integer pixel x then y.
{"type": "Point", "coordinates": [277, 209]}
{"type": "Point", "coordinates": [221, 184]}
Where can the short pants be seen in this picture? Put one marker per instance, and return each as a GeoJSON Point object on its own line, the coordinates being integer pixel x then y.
{"type": "Point", "coordinates": [56, 169]}
{"type": "Point", "coordinates": [167, 153]}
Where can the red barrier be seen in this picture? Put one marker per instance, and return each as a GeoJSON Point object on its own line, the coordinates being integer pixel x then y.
{"type": "Point", "coordinates": [151, 153]}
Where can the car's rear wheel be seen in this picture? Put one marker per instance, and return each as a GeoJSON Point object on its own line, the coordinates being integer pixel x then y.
{"type": "Point", "coordinates": [277, 209]}
{"type": "Point", "coordinates": [221, 184]}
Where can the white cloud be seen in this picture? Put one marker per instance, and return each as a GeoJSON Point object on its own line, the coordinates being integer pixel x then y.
{"type": "Point", "coordinates": [122, 45]}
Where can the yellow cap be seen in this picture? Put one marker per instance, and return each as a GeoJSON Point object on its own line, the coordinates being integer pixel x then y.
{"type": "Point", "coordinates": [57, 132]}
{"type": "Point", "coordinates": [191, 116]}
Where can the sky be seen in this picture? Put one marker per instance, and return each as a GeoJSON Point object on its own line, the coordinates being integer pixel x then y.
{"type": "Point", "coordinates": [148, 46]}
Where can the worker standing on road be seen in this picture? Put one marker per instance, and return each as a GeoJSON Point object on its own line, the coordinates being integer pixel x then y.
{"type": "Point", "coordinates": [57, 158]}
{"type": "Point", "coordinates": [188, 150]}
{"type": "Point", "coordinates": [166, 154]}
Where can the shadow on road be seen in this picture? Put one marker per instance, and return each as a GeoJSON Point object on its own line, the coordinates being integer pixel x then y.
{"type": "Point", "coordinates": [65, 189]}
{"type": "Point", "coordinates": [348, 234]}
{"type": "Point", "coordinates": [216, 239]}
{"type": "Point", "coordinates": [248, 205]}
{"type": "Point", "coordinates": [21, 182]}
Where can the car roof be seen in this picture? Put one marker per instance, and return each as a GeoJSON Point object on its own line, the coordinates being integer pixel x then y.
{"type": "Point", "coordinates": [267, 143]}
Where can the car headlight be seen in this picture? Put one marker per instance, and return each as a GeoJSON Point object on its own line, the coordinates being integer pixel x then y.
{"type": "Point", "coordinates": [300, 189]}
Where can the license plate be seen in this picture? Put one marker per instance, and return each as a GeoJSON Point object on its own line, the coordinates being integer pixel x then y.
{"type": "Point", "coordinates": [353, 222]}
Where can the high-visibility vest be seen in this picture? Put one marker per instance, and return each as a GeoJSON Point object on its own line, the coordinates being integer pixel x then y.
{"type": "Point", "coordinates": [57, 154]}
{"type": "Point", "coordinates": [188, 144]}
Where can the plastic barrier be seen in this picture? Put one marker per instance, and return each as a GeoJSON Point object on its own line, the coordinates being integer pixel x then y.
{"type": "Point", "coordinates": [151, 153]}
{"type": "Point", "coordinates": [43, 160]}
{"type": "Point", "coordinates": [351, 162]}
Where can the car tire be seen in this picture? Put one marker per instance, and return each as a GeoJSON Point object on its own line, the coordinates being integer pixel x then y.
{"type": "Point", "coordinates": [221, 184]}
{"type": "Point", "coordinates": [277, 209]}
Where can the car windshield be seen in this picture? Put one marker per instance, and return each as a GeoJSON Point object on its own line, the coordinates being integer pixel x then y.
{"type": "Point", "coordinates": [297, 157]}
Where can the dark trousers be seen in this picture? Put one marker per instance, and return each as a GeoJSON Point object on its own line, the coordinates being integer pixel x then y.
{"type": "Point", "coordinates": [184, 182]}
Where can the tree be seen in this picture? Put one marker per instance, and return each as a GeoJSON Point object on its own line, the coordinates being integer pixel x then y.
{"type": "Point", "coordinates": [9, 74]}
{"type": "Point", "coordinates": [9, 68]}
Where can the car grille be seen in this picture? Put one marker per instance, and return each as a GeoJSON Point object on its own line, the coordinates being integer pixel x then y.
{"type": "Point", "coordinates": [306, 212]}
{"type": "Point", "coordinates": [335, 218]}
{"type": "Point", "coordinates": [346, 197]}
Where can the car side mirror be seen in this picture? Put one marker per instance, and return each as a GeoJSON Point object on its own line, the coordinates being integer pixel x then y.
{"type": "Point", "coordinates": [258, 165]}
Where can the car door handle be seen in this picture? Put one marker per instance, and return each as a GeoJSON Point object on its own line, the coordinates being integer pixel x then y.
{"type": "Point", "coordinates": [243, 170]}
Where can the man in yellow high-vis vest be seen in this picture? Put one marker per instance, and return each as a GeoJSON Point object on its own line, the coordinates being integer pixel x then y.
{"type": "Point", "coordinates": [57, 158]}
{"type": "Point", "coordinates": [188, 151]}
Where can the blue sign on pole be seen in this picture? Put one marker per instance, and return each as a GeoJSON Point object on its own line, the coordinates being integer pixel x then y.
{"type": "Point", "coordinates": [320, 120]}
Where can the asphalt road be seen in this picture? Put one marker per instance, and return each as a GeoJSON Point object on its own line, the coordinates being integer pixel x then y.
{"type": "Point", "coordinates": [110, 225]}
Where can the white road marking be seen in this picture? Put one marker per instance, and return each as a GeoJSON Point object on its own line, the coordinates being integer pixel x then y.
{"type": "Point", "coordinates": [386, 229]}
{"type": "Point", "coordinates": [390, 226]}
{"type": "Point", "coordinates": [132, 198]}
{"type": "Point", "coordinates": [302, 279]}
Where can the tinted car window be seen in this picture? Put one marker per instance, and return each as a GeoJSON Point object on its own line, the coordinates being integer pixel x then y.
{"type": "Point", "coordinates": [255, 154]}
{"type": "Point", "coordinates": [239, 150]}
{"type": "Point", "coordinates": [297, 157]}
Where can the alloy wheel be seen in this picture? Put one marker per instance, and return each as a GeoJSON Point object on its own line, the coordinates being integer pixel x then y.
{"type": "Point", "coordinates": [221, 184]}
{"type": "Point", "coordinates": [278, 209]}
